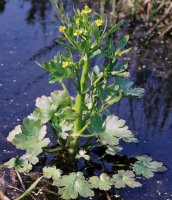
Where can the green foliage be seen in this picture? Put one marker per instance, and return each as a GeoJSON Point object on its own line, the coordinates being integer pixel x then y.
{"type": "Point", "coordinates": [125, 86]}
{"type": "Point", "coordinates": [57, 72]}
{"type": "Point", "coordinates": [110, 132]}
{"type": "Point", "coordinates": [70, 186]}
{"type": "Point", "coordinates": [123, 178]}
{"type": "Point", "coordinates": [73, 122]}
{"type": "Point", "coordinates": [146, 167]}
{"type": "Point", "coordinates": [103, 182]}
{"type": "Point", "coordinates": [31, 138]}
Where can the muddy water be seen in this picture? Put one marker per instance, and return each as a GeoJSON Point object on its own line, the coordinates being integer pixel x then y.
{"type": "Point", "coordinates": [28, 30]}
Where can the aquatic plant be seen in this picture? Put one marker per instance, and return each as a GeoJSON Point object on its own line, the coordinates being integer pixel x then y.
{"type": "Point", "coordinates": [79, 125]}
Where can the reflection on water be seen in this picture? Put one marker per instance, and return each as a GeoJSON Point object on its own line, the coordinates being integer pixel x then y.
{"type": "Point", "coordinates": [38, 10]}
{"type": "Point", "coordinates": [29, 33]}
{"type": "Point", "coordinates": [2, 5]}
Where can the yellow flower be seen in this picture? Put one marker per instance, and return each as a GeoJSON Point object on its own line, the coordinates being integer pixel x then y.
{"type": "Point", "coordinates": [77, 21]}
{"type": "Point", "coordinates": [62, 29]}
{"type": "Point", "coordinates": [118, 52]}
{"type": "Point", "coordinates": [99, 22]}
{"type": "Point", "coordinates": [65, 64]}
{"type": "Point", "coordinates": [86, 10]}
{"type": "Point", "coordinates": [78, 32]}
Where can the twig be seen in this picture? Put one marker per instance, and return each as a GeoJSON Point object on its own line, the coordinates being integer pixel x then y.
{"type": "Point", "coordinates": [20, 179]}
{"type": "Point", "coordinates": [162, 19]}
{"type": "Point", "coordinates": [166, 30]}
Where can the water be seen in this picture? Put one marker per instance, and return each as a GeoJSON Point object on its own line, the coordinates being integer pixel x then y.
{"type": "Point", "coordinates": [28, 33]}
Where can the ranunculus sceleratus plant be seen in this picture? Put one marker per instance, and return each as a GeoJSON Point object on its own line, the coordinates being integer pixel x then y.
{"type": "Point", "coordinates": [85, 117]}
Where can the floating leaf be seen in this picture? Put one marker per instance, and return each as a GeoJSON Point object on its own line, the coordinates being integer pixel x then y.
{"type": "Point", "coordinates": [73, 184]}
{"type": "Point", "coordinates": [52, 172]}
{"type": "Point", "coordinates": [146, 167]}
{"type": "Point", "coordinates": [103, 182]}
{"type": "Point", "coordinates": [124, 178]}
{"type": "Point", "coordinates": [19, 164]}
{"type": "Point", "coordinates": [13, 133]}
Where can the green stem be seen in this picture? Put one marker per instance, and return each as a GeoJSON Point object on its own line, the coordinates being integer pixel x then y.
{"type": "Point", "coordinates": [78, 123]}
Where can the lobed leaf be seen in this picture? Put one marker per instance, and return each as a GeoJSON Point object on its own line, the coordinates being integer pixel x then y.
{"type": "Point", "coordinates": [72, 185]}
{"type": "Point", "coordinates": [103, 182]}
{"type": "Point", "coordinates": [146, 167]}
{"type": "Point", "coordinates": [125, 86]}
{"type": "Point", "coordinates": [123, 178]}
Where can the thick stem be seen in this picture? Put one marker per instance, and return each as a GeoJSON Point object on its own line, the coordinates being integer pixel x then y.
{"type": "Point", "coordinates": [78, 123]}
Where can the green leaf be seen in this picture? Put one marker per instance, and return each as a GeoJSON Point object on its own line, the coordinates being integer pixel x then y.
{"type": "Point", "coordinates": [125, 85]}
{"type": "Point", "coordinates": [57, 72]}
{"type": "Point", "coordinates": [113, 29]}
{"type": "Point", "coordinates": [19, 164]}
{"type": "Point", "coordinates": [124, 178]}
{"type": "Point", "coordinates": [31, 138]}
{"type": "Point", "coordinates": [96, 53]}
{"type": "Point", "coordinates": [74, 184]}
{"type": "Point", "coordinates": [13, 133]}
{"type": "Point", "coordinates": [96, 124]}
{"type": "Point", "coordinates": [111, 131]}
{"type": "Point", "coordinates": [113, 150]}
{"type": "Point", "coordinates": [122, 43]}
{"type": "Point", "coordinates": [52, 172]}
{"type": "Point", "coordinates": [48, 106]}
{"type": "Point", "coordinates": [146, 167]}
{"type": "Point", "coordinates": [103, 182]}
{"type": "Point", "coordinates": [61, 74]}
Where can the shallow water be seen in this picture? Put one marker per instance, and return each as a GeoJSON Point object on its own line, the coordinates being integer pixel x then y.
{"type": "Point", "coordinates": [28, 33]}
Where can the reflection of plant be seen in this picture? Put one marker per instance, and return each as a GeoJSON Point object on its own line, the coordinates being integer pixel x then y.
{"type": "Point", "coordinates": [85, 118]}
{"type": "Point", "coordinates": [158, 12]}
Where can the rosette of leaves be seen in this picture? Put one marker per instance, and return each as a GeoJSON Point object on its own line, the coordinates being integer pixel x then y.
{"type": "Point", "coordinates": [30, 136]}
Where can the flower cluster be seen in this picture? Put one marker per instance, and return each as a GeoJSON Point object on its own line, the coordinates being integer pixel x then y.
{"type": "Point", "coordinates": [79, 20]}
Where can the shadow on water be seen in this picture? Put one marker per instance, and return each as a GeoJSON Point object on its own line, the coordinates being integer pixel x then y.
{"type": "Point", "coordinates": [29, 33]}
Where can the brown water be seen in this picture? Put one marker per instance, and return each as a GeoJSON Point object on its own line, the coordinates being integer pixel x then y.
{"type": "Point", "coordinates": [28, 30]}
